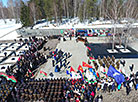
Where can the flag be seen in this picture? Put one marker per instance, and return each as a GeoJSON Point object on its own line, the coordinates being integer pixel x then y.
{"type": "Point", "coordinates": [80, 68]}
{"type": "Point", "coordinates": [12, 78]}
{"type": "Point", "coordinates": [84, 64]}
{"type": "Point", "coordinates": [30, 72]}
{"type": "Point", "coordinates": [98, 76]}
{"type": "Point", "coordinates": [3, 74]}
{"type": "Point", "coordinates": [71, 69]}
{"type": "Point", "coordinates": [89, 48]}
{"type": "Point", "coordinates": [43, 73]}
{"type": "Point", "coordinates": [92, 59]}
{"type": "Point", "coordinates": [112, 72]}
{"type": "Point", "coordinates": [54, 55]}
{"type": "Point", "coordinates": [67, 72]}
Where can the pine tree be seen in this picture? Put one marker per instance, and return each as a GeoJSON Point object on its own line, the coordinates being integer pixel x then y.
{"type": "Point", "coordinates": [25, 14]}
{"type": "Point", "coordinates": [48, 9]}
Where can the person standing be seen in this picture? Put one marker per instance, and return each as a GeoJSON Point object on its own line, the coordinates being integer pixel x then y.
{"type": "Point", "coordinates": [131, 67]}
{"type": "Point", "coordinates": [70, 36]}
{"type": "Point", "coordinates": [53, 63]}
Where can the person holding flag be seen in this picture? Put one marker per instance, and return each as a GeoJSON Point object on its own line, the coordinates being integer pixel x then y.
{"type": "Point", "coordinates": [112, 72]}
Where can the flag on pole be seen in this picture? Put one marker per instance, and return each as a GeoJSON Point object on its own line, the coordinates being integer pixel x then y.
{"type": "Point", "coordinates": [3, 74]}
{"type": "Point", "coordinates": [98, 76]}
{"type": "Point", "coordinates": [30, 72]}
{"type": "Point", "coordinates": [84, 64]}
{"type": "Point", "coordinates": [43, 73]}
{"type": "Point", "coordinates": [89, 48]}
{"type": "Point", "coordinates": [80, 68]}
{"type": "Point", "coordinates": [112, 72]}
{"type": "Point", "coordinates": [12, 78]}
{"type": "Point", "coordinates": [92, 59]}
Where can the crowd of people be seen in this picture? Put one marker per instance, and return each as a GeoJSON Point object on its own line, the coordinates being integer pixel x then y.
{"type": "Point", "coordinates": [82, 89]}
{"type": "Point", "coordinates": [59, 60]}
{"type": "Point", "coordinates": [79, 91]}
{"type": "Point", "coordinates": [29, 60]}
{"type": "Point", "coordinates": [47, 90]}
{"type": "Point", "coordinates": [5, 88]}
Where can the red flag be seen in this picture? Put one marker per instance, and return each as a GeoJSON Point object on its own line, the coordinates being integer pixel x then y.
{"type": "Point", "coordinates": [71, 69]}
{"type": "Point", "coordinates": [80, 68]}
{"type": "Point", "coordinates": [54, 55]}
{"type": "Point", "coordinates": [3, 74]}
{"type": "Point", "coordinates": [43, 73]}
{"type": "Point", "coordinates": [97, 74]}
{"type": "Point", "coordinates": [92, 59]}
{"type": "Point", "coordinates": [30, 72]}
{"type": "Point", "coordinates": [89, 48]}
{"type": "Point", "coordinates": [84, 64]}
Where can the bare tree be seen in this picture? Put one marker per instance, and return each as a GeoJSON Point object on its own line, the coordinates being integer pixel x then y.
{"type": "Point", "coordinates": [10, 4]}
{"type": "Point", "coordinates": [33, 10]}
{"type": "Point", "coordinates": [64, 7]}
{"type": "Point", "coordinates": [55, 10]}
{"type": "Point", "coordinates": [67, 7]}
{"type": "Point", "coordinates": [113, 10]}
{"type": "Point", "coordinates": [131, 14]}
{"type": "Point", "coordinates": [17, 10]}
{"type": "Point", "coordinates": [84, 10]}
{"type": "Point", "coordinates": [102, 8]}
{"type": "Point", "coordinates": [2, 12]}
{"type": "Point", "coordinates": [75, 8]}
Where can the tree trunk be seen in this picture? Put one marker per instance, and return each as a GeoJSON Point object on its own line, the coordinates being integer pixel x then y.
{"type": "Point", "coordinates": [3, 17]}
{"type": "Point", "coordinates": [84, 10]}
{"type": "Point", "coordinates": [2, 13]}
{"type": "Point", "coordinates": [67, 6]}
{"type": "Point", "coordinates": [119, 41]}
{"type": "Point", "coordinates": [75, 8]}
{"type": "Point", "coordinates": [55, 10]}
{"type": "Point", "coordinates": [125, 43]}
{"type": "Point", "coordinates": [79, 9]}
{"type": "Point", "coordinates": [113, 42]}
{"type": "Point", "coordinates": [64, 7]}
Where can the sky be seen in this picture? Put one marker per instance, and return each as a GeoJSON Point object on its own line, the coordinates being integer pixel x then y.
{"type": "Point", "coordinates": [5, 2]}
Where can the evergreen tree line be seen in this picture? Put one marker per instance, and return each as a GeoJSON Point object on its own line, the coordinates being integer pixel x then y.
{"type": "Point", "coordinates": [56, 10]}
{"type": "Point", "coordinates": [28, 12]}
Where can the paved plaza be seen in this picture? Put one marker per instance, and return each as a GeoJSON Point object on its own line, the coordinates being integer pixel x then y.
{"type": "Point", "coordinates": [78, 51]}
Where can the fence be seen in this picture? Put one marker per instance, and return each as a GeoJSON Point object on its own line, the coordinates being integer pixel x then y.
{"type": "Point", "coordinates": [47, 32]}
